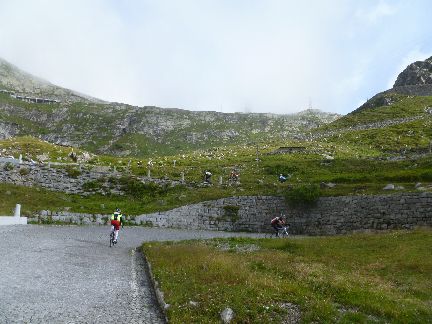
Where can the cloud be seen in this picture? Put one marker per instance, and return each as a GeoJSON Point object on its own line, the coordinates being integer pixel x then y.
{"type": "Point", "coordinates": [376, 13]}
{"type": "Point", "coordinates": [261, 56]}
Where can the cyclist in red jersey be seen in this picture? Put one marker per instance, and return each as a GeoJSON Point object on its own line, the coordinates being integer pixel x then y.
{"type": "Point", "coordinates": [277, 223]}
{"type": "Point", "coordinates": [116, 221]}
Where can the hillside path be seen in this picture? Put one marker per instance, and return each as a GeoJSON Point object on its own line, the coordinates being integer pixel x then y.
{"type": "Point", "coordinates": [69, 274]}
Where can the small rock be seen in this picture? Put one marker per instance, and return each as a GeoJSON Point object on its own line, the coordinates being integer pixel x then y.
{"type": "Point", "coordinates": [390, 186]}
{"type": "Point", "coordinates": [227, 315]}
{"type": "Point", "coordinates": [193, 303]}
{"type": "Point", "coordinates": [293, 315]}
{"type": "Point", "coordinates": [417, 185]}
{"type": "Point", "coordinates": [328, 157]}
{"type": "Point", "coordinates": [329, 185]}
{"type": "Point", "coordinates": [399, 187]}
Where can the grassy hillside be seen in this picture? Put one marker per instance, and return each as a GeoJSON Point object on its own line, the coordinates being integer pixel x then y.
{"type": "Point", "coordinates": [403, 126]}
{"type": "Point", "coordinates": [345, 279]}
{"type": "Point", "coordinates": [353, 169]}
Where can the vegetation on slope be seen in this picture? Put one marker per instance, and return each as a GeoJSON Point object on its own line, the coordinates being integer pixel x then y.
{"type": "Point", "coordinates": [123, 130]}
{"type": "Point", "coordinates": [357, 278]}
{"type": "Point", "coordinates": [354, 169]}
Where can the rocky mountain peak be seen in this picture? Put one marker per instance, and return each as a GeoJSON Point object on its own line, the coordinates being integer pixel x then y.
{"type": "Point", "coordinates": [415, 80]}
{"type": "Point", "coordinates": [417, 73]}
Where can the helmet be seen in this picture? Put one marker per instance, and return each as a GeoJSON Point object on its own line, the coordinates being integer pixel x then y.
{"type": "Point", "coordinates": [117, 210]}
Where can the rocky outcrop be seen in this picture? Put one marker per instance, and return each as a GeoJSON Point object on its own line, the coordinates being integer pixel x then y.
{"type": "Point", "coordinates": [415, 80]}
{"type": "Point", "coordinates": [417, 73]}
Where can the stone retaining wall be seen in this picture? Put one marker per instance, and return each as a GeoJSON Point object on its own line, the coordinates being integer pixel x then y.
{"type": "Point", "coordinates": [58, 178]}
{"type": "Point", "coordinates": [331, 215]}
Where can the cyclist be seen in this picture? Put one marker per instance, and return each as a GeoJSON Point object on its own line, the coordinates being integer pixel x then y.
{"type": "Point", "coordinates": [234, 176]}
{"type": "Point", "coordinates": [207, 176]}
{"type": "Point", "coordinates": [116, 221]}
{"type": "Point", "coordinates": [277, 223]}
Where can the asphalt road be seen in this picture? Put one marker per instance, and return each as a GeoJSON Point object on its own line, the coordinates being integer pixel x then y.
{"type": "Point", "coordinates": [69, 274]}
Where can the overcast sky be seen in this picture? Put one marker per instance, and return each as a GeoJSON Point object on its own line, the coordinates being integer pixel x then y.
{"type": "Point", "coordinates": [224, 55]}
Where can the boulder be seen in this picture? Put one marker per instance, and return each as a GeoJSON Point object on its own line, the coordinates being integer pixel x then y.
{"type": "Point", "coordinates": [193, 303]}
{"type": "Point", "coordinates": [329, 185]}
{"type": "Point", "coordinates": [227, 315]}
{"type": "Point", "coordinates": [390, 186]}
{"type": "Point", "coordinates": [327, 157]}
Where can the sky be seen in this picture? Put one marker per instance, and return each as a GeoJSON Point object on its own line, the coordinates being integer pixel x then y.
{"type": "Point", "coordinates": [261, 56]}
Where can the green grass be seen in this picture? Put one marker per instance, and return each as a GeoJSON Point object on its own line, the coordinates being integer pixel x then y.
{"type": "Point", "coordinates": [31, 147]}
{"type": "Point", "coordinates": [352, 173]}
{"type": "Point", "coordinates": [356, 278]}
{"type": "Point", "coordinates": [404, 106]}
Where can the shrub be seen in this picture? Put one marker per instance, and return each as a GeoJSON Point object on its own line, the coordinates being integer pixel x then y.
{"type": "Point", "coordinates": [91, 185]}
{"type": "Point", "coordinates": [24, 171]}
{"type": "Point", "coordinates": [280, 169]}
{"type": "Point", "coordinates": [8, 166]}
{"type": "Point", "coordinates": [73, 172]}
{"type": "Point", "coordinates": [303, 195]}
{"type": "Point", "coordinates": [426, 176]}
{"type": "Point", "coordinates": [137, 189]}
{"type": "Point", "coordinates": [231, 212]}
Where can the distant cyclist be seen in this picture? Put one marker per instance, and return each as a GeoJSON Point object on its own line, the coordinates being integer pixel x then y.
{"type": "Point", "coordinates": [277, 223]}
{"type": "Point", "coordinates": [116, 221]}
{"type": "Point", "coordinates": [207, 176]}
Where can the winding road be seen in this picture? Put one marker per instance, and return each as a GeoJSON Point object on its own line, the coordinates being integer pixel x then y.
{"type": "Point", "coordinates": [69, 274]}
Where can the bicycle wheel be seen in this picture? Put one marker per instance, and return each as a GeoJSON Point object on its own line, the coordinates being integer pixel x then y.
{"type": "Point", "coordinates": [111, 238]}
{"type": "Point", "coordinates": [270, 235]}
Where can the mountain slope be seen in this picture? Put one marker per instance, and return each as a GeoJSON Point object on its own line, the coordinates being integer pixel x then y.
{"type": "Point", "coordinates": [120, 129]}
{"type": "Point", "coordinates": [396, 120]}
{"type": "Point", "coordinates": [22, 83]}
{"type": "Point", "coordinates": [415, 80]}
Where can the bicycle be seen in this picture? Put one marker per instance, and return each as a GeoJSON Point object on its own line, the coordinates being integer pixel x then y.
{"type": "Point", "coordinates": [112, 236]}
{"type": "Point", "coordinates": [281, 233]}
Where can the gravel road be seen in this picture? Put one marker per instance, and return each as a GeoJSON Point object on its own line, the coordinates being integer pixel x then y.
{"type": "Point", "coordinates": [69, 274]}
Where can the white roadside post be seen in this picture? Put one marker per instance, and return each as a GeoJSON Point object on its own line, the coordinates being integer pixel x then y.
{"type": "Point", "coordinates": [17, 210]}
{"type": "Point", "coordinates": [16, 219]}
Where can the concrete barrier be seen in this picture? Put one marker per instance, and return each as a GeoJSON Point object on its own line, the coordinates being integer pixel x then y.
{"type": "Point", "coordinates": [14, 220]}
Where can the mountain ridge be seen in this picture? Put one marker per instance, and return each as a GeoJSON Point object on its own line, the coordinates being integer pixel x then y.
{"type": "Point", "coordinates": [122, 129]}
